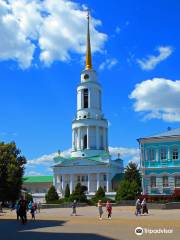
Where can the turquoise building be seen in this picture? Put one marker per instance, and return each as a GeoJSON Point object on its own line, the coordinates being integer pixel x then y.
{"type": "Point", "coordinates": [160, 162]}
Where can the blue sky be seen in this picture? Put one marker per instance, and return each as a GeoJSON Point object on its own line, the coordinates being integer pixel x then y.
{"type": "Point", "coordinates": [42, 55]}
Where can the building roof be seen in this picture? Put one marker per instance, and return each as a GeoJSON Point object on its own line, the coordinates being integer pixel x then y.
{"type": "Point", "coordinates": [37, 179]}
{"type": "Point", "coordinates": [169, 133]}
{"type": "Point", "coordinates": [98, 159]}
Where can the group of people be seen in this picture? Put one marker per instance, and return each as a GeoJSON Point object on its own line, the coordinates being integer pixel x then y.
{"type": "Point", "coordinates": [141, 207]}
{"type": "Point", "coordinates": [100, 209]}
{"type": "Point", "coordinates": [108, 209]}
{"type": "Point", "coordinates": [22, 206]}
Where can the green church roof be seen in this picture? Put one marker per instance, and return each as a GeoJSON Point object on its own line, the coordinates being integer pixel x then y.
{"type": "Point", "coordinates": [37, 179]}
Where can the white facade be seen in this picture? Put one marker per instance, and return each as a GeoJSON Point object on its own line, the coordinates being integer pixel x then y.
{"type": "Point", "coordinates": [89, 172]}
{"type": "Point", "coordinates": [90, 162]}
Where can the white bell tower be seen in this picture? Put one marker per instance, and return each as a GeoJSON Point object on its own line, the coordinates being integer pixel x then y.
{"type": "Point", "coordinates": [89, 128]}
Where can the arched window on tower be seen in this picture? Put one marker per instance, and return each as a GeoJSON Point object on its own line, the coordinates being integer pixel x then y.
{"type": "Point", "coordinates": [85, 98]}
{"type": "Point", "coordinates": [85, 142]}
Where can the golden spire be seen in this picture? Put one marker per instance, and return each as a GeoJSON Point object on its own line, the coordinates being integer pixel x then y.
{"type": "Point", "coordinates": [88, 47]}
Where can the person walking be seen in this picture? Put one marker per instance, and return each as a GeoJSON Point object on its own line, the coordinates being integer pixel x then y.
{"type": "Point", "coordinates": [144, 206]}
{"type": "Point", "coordinates": [138, 207]}
{"type": "Point", "coordinates": [23, 210]}
{"type": "Point", "coordinates": [74, 205]}
{"type": "Point", "coordinates": [32, 211]}
{"type": "Point", "coordinates": [109, 209]}
{"type": "Point", "coordinates": [17, 210]}
{"type": "Point", "coordinates": [39, 206]}
{"type": "Point", "coordinates": [30, 205]}
{"type": "Point", "coordinates": [100, 209]}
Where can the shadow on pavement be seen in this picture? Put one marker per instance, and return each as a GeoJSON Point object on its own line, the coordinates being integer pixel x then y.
{"type": "Point", "coordinates": [14, 230]}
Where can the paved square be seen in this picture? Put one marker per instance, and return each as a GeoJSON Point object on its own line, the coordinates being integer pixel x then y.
{"type": "Point", "coordinates": [56, 224]}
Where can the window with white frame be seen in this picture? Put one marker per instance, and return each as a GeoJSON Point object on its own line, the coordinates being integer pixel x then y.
{"type": "Point", "coordinates": [83, 178]}
{"type": "Point", "coordinates": [175, 154]}
{"type": "Point", "coordinates": [151, 154]}
{"type": "Point", "coordinates": [177, 181]}
{"type": "Point", "coordinates": [165, 181]}
{"type": "Point", "coordinates": [78, 178]}
{"type": "Point", "coordinates": [163, 153]}
{"type": "Point", "coordinates": [153, 181]}
{"type": "Point", "coordinates": [104, 177]}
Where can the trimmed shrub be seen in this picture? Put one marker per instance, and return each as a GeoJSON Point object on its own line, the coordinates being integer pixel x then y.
{"type": "Point", "coordinates": [52, 195]}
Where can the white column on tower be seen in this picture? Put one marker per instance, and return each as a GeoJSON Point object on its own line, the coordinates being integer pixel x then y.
{"type": "Point", "coordinates": [104, 138]}
{"type": "Point", "coordinates": [97, 137]}
{"type": "Point", "coordinates": [88, 139]}
{"type": "Point", "coordinates": [82, 99]}
{"type": "Point", "coordinates": [73, 142]}
{"type": "Point", "coordinates": [79, 139]}
{"type": "Point", "coordinates": [89, 98]}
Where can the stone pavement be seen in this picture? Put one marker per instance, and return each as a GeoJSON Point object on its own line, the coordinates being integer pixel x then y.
{"type": "Point", "coordinates": [57, 224]}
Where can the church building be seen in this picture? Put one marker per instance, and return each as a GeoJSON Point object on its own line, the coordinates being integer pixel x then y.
{"type": "Point", "coordinates": [90, 163]}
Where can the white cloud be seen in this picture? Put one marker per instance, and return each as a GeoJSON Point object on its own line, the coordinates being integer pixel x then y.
{"type": "Point", "coordinates": [158, 98]}
{"type": "Point", "coordinates": [47, 159]}
{"type": "Point", "coordinates": [108, 64]}
{"type": "Point", "coordinates": [14, 43]}
{"type": "Point", "coordinates": [128, 154]}
{"type": "Point", "coordinates": [57, 28]}
{"type": "Point", "coordinates": [33, 173]}
{"type": "Point", "coordinates": [150, 62]}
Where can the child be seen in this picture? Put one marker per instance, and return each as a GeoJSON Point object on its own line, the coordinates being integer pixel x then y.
{"type": "Point", "coordinates": [109, 209]}
{"type": "Point", "coordinates": [100, 209]}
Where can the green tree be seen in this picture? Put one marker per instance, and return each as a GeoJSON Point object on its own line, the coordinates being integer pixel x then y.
{"type": "Point", "coordinates": [132, 173]}
{"type": "Point", "coordinates": [127, 190]}
{"type": "Point", "coordinates": [79, 193]}
{"type": "Point", "coordinates": [11, 171]}
{"type": "Point", "coordinates": [52, 195]}
{"type": "Point", "coordinates": [100, 194]}
{"type": "Point", "coordinates": [28, 197]}
{"type": "Point", "coordinates": [67, 191]}
{"type": "Point", "coordinates": [130, 187]}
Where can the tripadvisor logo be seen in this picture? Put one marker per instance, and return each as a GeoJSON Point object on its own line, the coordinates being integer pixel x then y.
{"type": "Point", "coordinates": [139, 231]}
